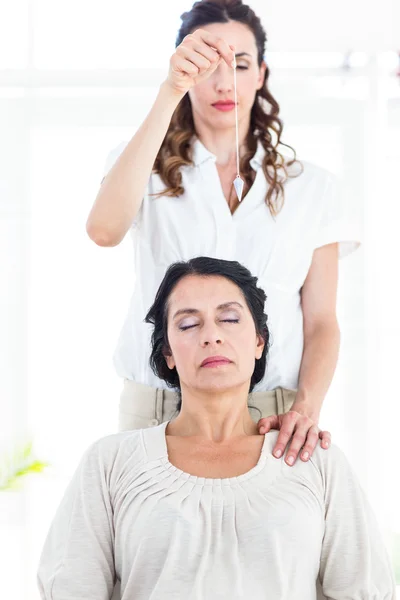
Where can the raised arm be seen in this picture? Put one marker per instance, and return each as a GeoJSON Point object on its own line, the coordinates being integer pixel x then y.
{"type": "Point", "coordinates": [121, 193]}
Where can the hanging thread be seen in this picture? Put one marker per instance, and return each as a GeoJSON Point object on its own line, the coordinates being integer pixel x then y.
{"type": "Point", "coordinates": [238, 182]}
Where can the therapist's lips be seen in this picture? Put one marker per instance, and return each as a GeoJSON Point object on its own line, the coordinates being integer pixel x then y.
{"type": "Point", "coordinates": [215, 361]}
{"type": "Point", "coordinates": [224, 106]}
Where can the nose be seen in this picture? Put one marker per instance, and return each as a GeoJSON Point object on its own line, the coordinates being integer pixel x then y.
{"type": "Point", "coordinates": [223, 78]}
{"type": "Point", "coordinates": [211, 335]}
{"type": "Point", "coordinates": [210, 342]}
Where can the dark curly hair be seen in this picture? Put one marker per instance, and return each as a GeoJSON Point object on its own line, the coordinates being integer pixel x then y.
{"type": "Point", "coordinates": [265, 124]}
{"type": "Point", "coordinates": [204, 266]}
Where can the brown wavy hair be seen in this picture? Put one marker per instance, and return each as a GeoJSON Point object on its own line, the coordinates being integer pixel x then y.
{"type": "Point", "coordinates": [265, 124]}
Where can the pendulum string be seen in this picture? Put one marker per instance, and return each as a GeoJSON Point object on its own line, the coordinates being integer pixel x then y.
{"type": "Point", "coordinates": [238, 182]}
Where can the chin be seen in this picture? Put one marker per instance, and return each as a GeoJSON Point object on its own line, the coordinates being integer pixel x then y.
{"type": "Point", "coordinates": [215, 386]}
{"type": "Point", "coordinates": [223, 116]}
{"type": "Point", "coordinates": [222, 384]}
{"type": "Point", "coordinates": [217, 116]}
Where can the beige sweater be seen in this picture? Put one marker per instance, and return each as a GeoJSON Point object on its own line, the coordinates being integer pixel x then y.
{"type": "Point", "coordinates": [273, 533]}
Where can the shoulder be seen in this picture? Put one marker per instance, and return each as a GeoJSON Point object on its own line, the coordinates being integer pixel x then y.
{"type": "Point", "coordinates": [333, 467]}
{"type": "Point", "coordinates": [331, 457]}
{"type": "Point", "coordinates": [319, 453]}
{"type": "Point", "coordinates": [114, 448]}
{"type": "Point", "coordinates": [311, 188]}
{"type": "Point", "coordinates": [322, 466]}
{"type": "Point", "coordinates": [306, 172]}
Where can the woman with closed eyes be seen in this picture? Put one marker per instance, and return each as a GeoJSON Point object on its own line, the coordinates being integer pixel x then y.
{"type": "Point", "coordinates": [197, 507]}
{"type": "Point", "coordinates": [171, 188]}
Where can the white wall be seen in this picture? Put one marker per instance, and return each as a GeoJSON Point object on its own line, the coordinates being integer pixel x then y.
{"type": "Point", "coordinates": [63, 299]}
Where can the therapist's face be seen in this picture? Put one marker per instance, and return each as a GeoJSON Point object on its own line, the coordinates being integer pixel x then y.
{"type": "Point", "coordinates": [208, 316]}
{"type": "Point", "coordinates": [220, 85]}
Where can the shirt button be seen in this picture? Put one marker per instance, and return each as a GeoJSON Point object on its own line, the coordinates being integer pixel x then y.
{"type": "Point", "coordinates": [153, 422]}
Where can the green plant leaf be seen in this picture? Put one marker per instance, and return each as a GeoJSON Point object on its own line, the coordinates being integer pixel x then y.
{"type": "Point", "coordinates": [17, 464]}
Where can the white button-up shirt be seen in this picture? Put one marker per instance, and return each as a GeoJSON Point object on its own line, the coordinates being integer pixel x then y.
{"type": "Point", "coordinates": [278, 250]}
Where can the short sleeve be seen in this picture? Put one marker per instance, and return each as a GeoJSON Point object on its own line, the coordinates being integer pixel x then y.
{"type": "Point", "coordinates": [354, 560]}
{"type": "Point", "coordinates": [113, 156]}
{"type": "Point", "coordinates": [338, 222]}
{"type": "Point", "coordinates": [109, 163]}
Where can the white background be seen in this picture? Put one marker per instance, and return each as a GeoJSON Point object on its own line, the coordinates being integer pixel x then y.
{"type": "Point", "coordinates": [78, 77]}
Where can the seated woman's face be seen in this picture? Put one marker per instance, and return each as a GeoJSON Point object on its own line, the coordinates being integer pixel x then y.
{"type": "Point", "coordinates": [209, 316]}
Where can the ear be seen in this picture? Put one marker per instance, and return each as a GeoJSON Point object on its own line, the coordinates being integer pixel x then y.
{"type": "Point", "coordinates": [169, 359]}
{"type": "Point", "coordinates": [263, 68]}
{"type": "Point", "coordinates": [259, 347]}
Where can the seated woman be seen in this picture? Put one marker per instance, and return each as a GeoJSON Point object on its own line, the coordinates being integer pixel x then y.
{"type": "Point", "coordinates": [198, 507]}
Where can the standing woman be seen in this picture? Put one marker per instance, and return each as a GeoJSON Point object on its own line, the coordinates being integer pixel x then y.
{"type": "Point", "coordinates": [171, 186]}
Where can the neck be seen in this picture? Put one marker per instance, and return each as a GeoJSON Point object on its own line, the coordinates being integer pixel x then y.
{"type": "Point", "coordinates": [222, 142]}
{"type": "Point", "coordinates": [217, 417]}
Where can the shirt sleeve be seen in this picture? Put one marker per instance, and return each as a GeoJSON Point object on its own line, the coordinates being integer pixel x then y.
{"type": "Point", "coordinates": [109, 163]}
{"type": "Point", "coordinates": [354, 563]}
{"type": "Point", "coordinates": [338, 223]}
{"type": "Point", "coordinates": [77, 561]}
{"type": "Point", "coordinates": [113, 156]}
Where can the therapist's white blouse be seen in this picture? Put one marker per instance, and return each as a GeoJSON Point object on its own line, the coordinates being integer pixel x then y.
{"type": "Point", "coordinates": [278, 250]}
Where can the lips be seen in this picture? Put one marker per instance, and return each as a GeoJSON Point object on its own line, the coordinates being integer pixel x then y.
{"type": "Point", "coordinates": [213, 361]}
{"type": "Point", "coordinates": [224, 105]}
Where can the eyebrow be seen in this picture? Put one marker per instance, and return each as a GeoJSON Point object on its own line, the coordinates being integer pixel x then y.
{"type": "Point", "coordinates": [239, 54]}
{"type": "Point", "coordinates": [195, 311]}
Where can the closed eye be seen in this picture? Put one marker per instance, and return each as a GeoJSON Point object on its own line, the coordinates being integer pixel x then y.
{"type": "Point", "coordinates": [184, 327]}
{"type": "Point", "coordinates": [245, 68]}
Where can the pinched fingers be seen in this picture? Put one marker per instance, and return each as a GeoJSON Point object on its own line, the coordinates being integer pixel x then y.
{"type": "Point", "coordinates": [217, 43]}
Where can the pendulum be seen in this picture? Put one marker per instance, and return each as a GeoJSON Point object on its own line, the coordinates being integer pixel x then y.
{"type": "Point", "coordinates": [238, 182]}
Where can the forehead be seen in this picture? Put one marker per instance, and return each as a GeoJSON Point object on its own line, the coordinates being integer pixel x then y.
{"type": "Point", "coordinates": [195, 291]}
{"type": "Point", "coordinates": [234, 33]}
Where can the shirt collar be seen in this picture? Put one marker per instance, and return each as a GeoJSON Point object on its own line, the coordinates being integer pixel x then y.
{"type": "Point", "coordinates": [257, 160]}
{"type": "Point", "coordinates": [201, 155]}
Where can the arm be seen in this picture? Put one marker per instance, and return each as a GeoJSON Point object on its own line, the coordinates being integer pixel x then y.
{"type": "Point", "coordinates": [354, 561]}
{"type": "Point", "coordinates": [321, 331]}
{"type": "Point", "coordinates": [320, 354]}
{"type": "Point", "coordinates": [120, 196]}
{"type": "Point", "coordinates": [121, 192]}
{"type": "Point", "coordinates": [77, 561]}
